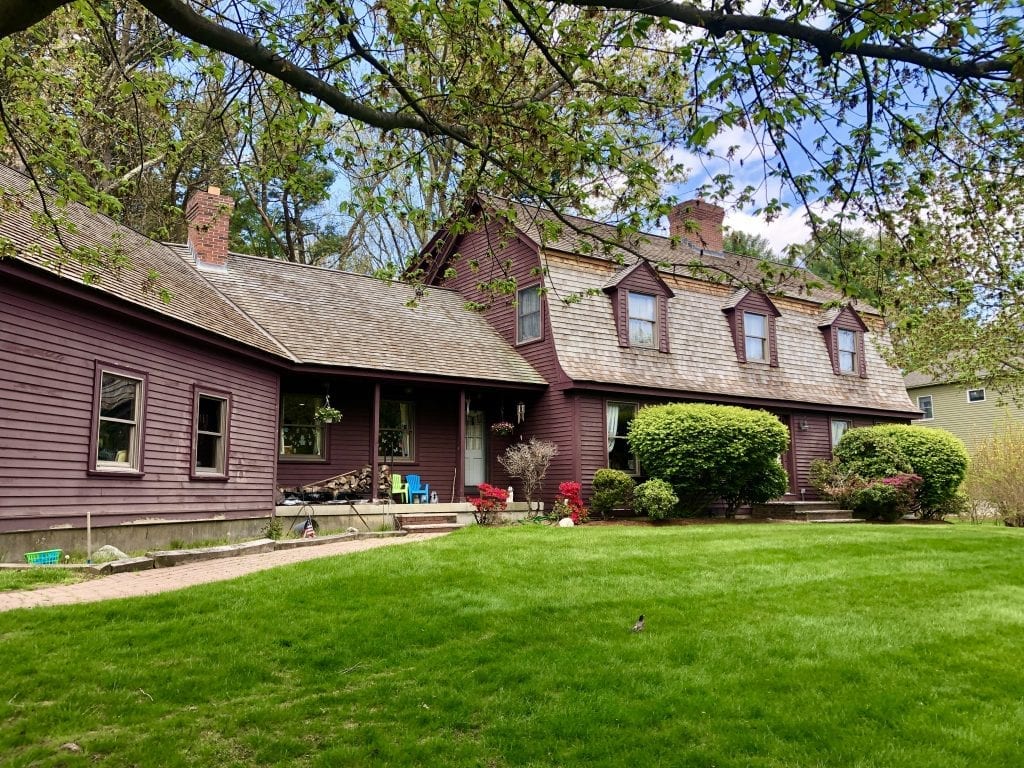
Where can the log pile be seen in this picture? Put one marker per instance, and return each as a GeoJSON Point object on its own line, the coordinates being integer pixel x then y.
{"type": "Point", "coordinates": [354, 483]}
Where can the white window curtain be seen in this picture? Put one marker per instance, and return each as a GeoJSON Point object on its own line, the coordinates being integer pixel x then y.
{"type": "Point", "coordinates": [613, 425]}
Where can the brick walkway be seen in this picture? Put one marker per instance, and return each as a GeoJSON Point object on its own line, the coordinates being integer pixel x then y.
{"type": "Point", "coordinates": [167, 579]}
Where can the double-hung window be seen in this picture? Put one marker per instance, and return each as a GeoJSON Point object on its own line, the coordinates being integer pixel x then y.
{"type": "Point", "coordinates": [618, 417]}
{"type": "Point", "coordinates": [924, 403]}
{"type": "Point", "coordinates": [301, 436]}
{"type": "Point", "coordinates": [397, 431]}
{"type": "Point", "coordinates": [528, 314]}
{"type": "Point", "coordinates": [643, 325]}
{"type": "Point", "coordinates": [755, 337]}
{"type": "Point", "coordinates": [119, 422]}
{"type": "Point", "coordinates": [210, 438]}
{"type": "Point", "coordinates": [847, 343]}
{"type": "Point", "coordinates": [839, 428]}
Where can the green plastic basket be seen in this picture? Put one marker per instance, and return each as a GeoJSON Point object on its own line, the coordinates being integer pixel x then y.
{"type": "Point", "coordinates": [46, 557]}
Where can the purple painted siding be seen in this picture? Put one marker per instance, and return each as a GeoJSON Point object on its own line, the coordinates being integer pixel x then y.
{"type": "Point", "coordinates": [48, 356]}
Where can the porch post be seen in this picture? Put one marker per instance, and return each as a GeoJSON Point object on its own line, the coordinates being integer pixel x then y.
{"type": "Point", "coordinates": [375, 441]}
{"type": "Point", "coordinates": [460, 462]}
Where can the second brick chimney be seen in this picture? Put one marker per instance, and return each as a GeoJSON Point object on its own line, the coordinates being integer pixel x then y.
{"type": "Point", "coordinates": [208, 215]}
{"type": "Point", "coordinates": [708, 220]}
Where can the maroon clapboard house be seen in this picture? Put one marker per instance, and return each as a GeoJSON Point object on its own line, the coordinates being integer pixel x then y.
{"type": "Point", "coordinates": [612, 332]}
{"type": "Point", "coordinates": [182, 388]}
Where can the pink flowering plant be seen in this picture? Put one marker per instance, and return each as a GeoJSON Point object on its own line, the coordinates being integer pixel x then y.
{"type": "Point", "coordinates": [503, 428]}
{"type": "Point", "coordinates": [489, 506]}
{"type": "Point", "coordinates": [570, 503]}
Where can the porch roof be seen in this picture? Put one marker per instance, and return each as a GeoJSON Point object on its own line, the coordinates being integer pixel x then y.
{"type": "Point", "coordinates": [326, 317]}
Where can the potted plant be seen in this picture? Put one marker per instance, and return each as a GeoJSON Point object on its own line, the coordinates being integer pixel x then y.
{"type": "Point", "coordinates": [325, 414]}
{"type": "Point", "coordinates": [502, 428]}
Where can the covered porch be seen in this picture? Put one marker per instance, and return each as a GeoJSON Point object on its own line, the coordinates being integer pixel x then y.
{"type": "Point", "coordinates": [437, 430]}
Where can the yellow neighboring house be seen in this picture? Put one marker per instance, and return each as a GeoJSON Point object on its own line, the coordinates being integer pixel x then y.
{"type": "Point", "coordinates": [970, 413]}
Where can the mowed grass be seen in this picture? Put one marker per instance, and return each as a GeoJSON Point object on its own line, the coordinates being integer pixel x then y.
{"type": "Point", "coordinates": [41, 576]}
{"type": "Point", "coordinates": [765, 646]}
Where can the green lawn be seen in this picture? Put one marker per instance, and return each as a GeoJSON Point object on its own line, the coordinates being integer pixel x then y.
{"type": "Point", "coordinates": [766, 645]}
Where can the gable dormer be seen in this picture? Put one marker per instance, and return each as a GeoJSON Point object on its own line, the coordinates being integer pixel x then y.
{"type": "Point", "coordinates": [640, 304]}
{"type": "Point", "coordinates": [843, 331]}
{"type": "Point", "coordinates": [751, 318]}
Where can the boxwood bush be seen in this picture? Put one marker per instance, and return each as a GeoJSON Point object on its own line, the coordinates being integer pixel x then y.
{"type": "Point", "coordinates": [887, 450]}
{"type": "Point", "coordinates": [655, 498]}
{"type": "Point", "coordinates": [708, 452]}
{"type": "Point", "coordinates": [613, 489]}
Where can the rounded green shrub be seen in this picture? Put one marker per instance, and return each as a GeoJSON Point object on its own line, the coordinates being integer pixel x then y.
{"type": "Point", "coordinates": [613, 489]}
{"type": "Point", "coordinates": [655, 498]}
{"type": "Point", "coordinates": [892, 449]}
{"type": "Point", "coordinates": [708, 452]}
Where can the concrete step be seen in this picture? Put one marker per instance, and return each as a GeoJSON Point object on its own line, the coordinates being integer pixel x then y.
{"type": "Point", "coordinates": [431, 527]}
{"type": "Point", "coordinates": [425, 518]}
{"type": "Point", "coordinates": [839, 520]}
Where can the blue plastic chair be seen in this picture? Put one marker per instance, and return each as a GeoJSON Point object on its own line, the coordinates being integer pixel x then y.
{"type": "Point", "coordinates": [416, 490]}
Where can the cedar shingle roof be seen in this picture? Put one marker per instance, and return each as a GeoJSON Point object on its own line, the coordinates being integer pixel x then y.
{"type": "Point", "coordinates": [702, 356]}
{"type": "Point", "coordinates": [327, 317]}
{"type": "Point", "coordinates": [593, 238]}
{"type": "Point", "coordinates": [149, 267]}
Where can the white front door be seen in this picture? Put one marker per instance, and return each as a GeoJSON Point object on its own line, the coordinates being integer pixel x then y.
{"type": "Point", "coordinates": [476, 462]}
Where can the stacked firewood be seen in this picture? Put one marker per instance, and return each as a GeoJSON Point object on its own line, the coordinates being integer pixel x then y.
{"type": "Point", "coordinates": [354, 483]}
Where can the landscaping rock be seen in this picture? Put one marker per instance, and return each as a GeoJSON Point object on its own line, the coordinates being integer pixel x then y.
{"type": "Point", "coordinates": [107, 553]}
{"type": "Point", "coordinates": [566, 522]}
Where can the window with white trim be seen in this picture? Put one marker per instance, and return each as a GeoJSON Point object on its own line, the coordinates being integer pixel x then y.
{"type": "Point", "coordinates": [210, 439]}
{"type": "Point", "coordinates": [528, 317]}
{"type": "Point", "coordinates": [839, 428]}
{"type": "Point", "coordinates": [755, 337]}
{"type": "Point", "coordinates": [924, 404]}
{"type": "Point", "coordinates": [846, 340]}
{"type": "Point", "coordinates": [397, 431]}
{"type": "Point", "coordinates": [119, 416]}
{"type": "Point", "coordinates": [643, 325]}
{"type": "Point", "coordinates": [975, 395]}
{"type": "Point", "coordinates": [617, 419]}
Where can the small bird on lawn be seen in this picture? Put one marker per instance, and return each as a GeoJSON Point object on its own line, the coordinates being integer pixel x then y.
{"type": "Point", "coordinates": [639, 626]}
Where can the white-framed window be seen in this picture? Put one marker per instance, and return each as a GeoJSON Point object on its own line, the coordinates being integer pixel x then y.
{"type": "Point", "coordinates": [975, 395]}
{"type": "Point", "coordinates": [210, 438]}
{"type": "Point", "coordinates": [528, 314]}
{"type": "Point", "coordinates": [839, 428]}
{"type": "Point", "coordinates": [846, 340]}
{"type": "Point", "coordinates": [755, 337]}
{"type": "Point", "coordinates": [119, 401]}
{"type": "Point", "coordinates": [301, 436]}
{"type": "Point", "coordinates": [924, 404]}
{"type": "Point", "coordinates": [397, 431]}
{"type": "Point", "coordinates": [617, 418]}
{"type": "Point", "coordinates": [643, 325]}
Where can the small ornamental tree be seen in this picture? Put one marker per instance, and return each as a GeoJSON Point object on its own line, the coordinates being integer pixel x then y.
{"type": "Point", "coordinates": [708, 452]}
{"type": "Point", "coordinates": [489, 506]}
{"type": "Point", "coordinates": [528, 463]}
{"type": "Point", "coordinates": [888, 450]}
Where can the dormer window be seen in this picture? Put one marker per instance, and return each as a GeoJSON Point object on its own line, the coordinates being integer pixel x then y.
{"type": "Point", "coordinates": [847, 342]}
{"type": "Point", "coordinates": [639, 299]}
{"type": "Point", "coordinates": [643, 320]}
{"type": "Point", "coordinates": [844, 333]}
{"type": "Point", "coordinates": [752, 323]}
{"type": "Point", "coordinates": [755, 336]}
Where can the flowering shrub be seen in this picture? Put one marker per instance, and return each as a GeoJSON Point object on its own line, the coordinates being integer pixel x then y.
{"type": "Point", "coordinates": [889, 498]}
{"type": "Point", "coordinates": [570, 503]}
{"type": "Point", "coordinates": [490, 504]}
{"type": "Point", "coordinates": [503, 428]}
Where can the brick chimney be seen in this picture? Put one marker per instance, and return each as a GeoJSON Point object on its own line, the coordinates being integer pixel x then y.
{"type": "Point", "coordinates": [208, 215]}
{"type": "Point", "coordinates": [708, 219]}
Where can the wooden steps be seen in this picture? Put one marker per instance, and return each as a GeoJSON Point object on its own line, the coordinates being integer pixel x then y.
{"type": "Point", "coordinates": [427, 522]}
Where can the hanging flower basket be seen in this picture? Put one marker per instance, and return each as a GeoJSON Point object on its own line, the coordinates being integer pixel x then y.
{"type": "Point", "coordinates": [325, 414]}
{"type": "Point", "coordinates": [502, 428]}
